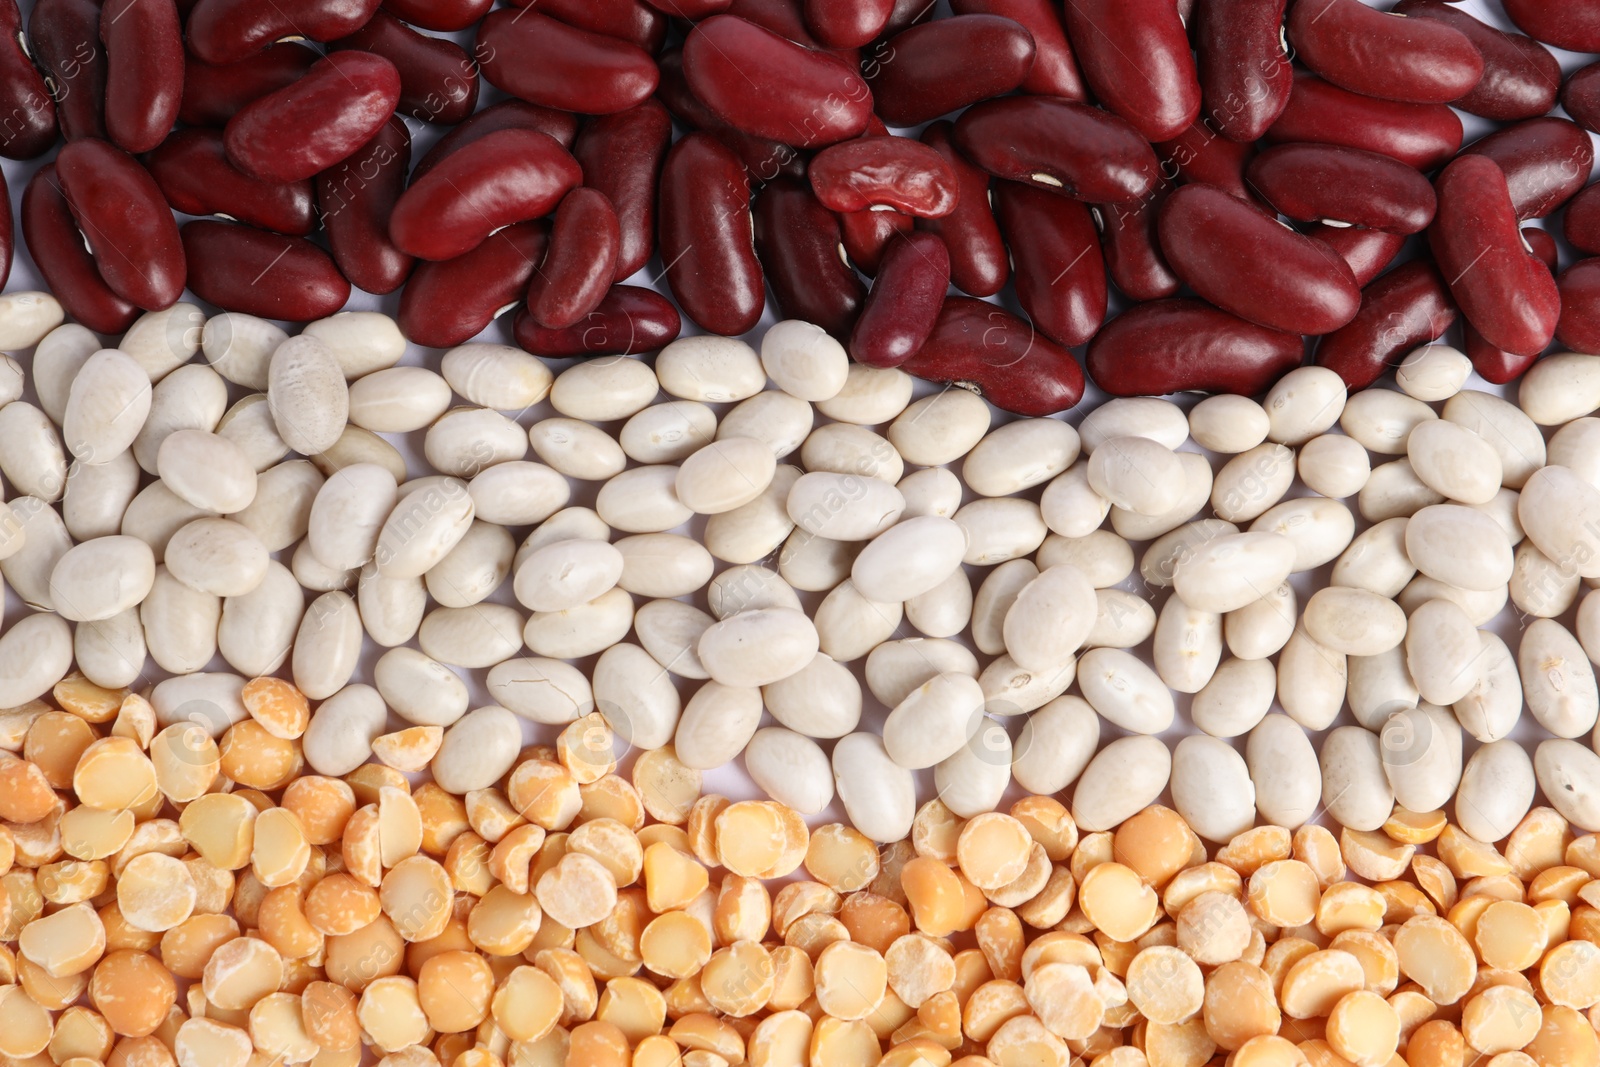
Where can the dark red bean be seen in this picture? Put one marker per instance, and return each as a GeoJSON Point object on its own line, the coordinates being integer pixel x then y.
{"type": "Point", "coordinates": [238, 268]}
{"type": "Point", "coordinates": [562, 126]}
{"type": "Point", "coordinates": [1506, 293]}
{"type": "Point", "coordinates": [944, 65]}
{"type": "Point", "coordinates": [1542, 245]}
{"type": "Point", "coordinates": [1569, 24]}
{"type": "Point", "coordinates": [866, 236]}
{"type": "Point", "coordinates": [29, 129]}
{"type": "Point", "coordinates": [1520, 76]}
{"type": "Point", "coordinates": [847, 23]}
{"type": "Point", "coordinates": [621, 156]}
{"type": "Point", "coordinates": [907, 13]}
{"type": "Point", "coordinates": [543, 61]}
{"type": "Point", "coordinates": [195, 176]}
{"type": "Point", "coordinates": [1407, 307]}
{"type": "Point", "coordinates": [1493, 364]}
{"type": "Point", "coordinates": [126, 222]}
{"type": "Point", "coordinates": [705, 234]}
{"type": "Point", "coordinates": [1242, 259]}
{"type": "Point", "coordinates": [1423, 135]}
{"type": "Point", "coordinates": [1132, 250]}
{"type": "Point", "coordinates": [1580, 95]}
{"type": "Point", "coordinates": [1580, 223]}
{"type": "Point", "coordinates": [144, 71]}
{"type": "Point", "coordinates": [226, 31]}
{"type": "Point", "coordinates": [1546, 160]}
{"type": "Point", "coordinates": [450, 302]}
{"type": "Point", "coordinates": [985, 348]}
{"type": "Point", "coordinates": [1135, 57]}
{"type": "Point", "coordinates": [786, 18]}
{"type": "Point", "coordinates": [1055, 70]}
{"type": "Point", "coordinates": [340, 103]}
{"type": "Point", "coordinates": [446, 16]}
{"type": "Point", "coordinates": [798, 242]}
{"type": "Point", "coordinates": [438, 81]}
{"type": "Point", "coordinates": [764, 159]}
{"type": "Point", "coordinates": [978, 261]}
{"type": "Point", "coordinates": [904, 303]}
{"type": "Point", "coordinates": [1200, 154]}
{"type": "Point", "coordinates": [1244, 74]}
{"type": "Point", "coordinates": [355, 200]}
{"type": "Point", "coordinates": [1175, 346]}
{"type": "Point", "coordinates": [68, 268]}
{"type": "Point", "coordinates": [693, 10]}
{"type": "Point", "coordinates": [1372, 52]}
{"type": "Point", "coordinates": [214, 94]}
{"type": "Point", "coordinates": [1579, 326]}
{"type": "Point", "coordinates": [1077, 150]}
{"type": "Point", "coordinates": [579, 263]}
{"type": "Point", "coordinates": [1055, 255]}
{"type": "Point", "coordinates": [505, 177]}
{"type": "Point", "coordinates": [885, 172]}
{"type": "Point", "coordinates": [64, 36]}
{"type": "Point", "coordinates": [1312, 182]}
{"type": "Point", "coordinates": [1367, 252]}
{"type": "Point", "coordinates": [633, 21]}
{"type": "Point", "coordinates": [629, 320]}
{"type": "Point", "coordinates": [8, 237]}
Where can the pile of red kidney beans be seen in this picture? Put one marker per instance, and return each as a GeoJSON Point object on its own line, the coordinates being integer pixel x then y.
{"type": "Point", "coordinates": [1149, 145]}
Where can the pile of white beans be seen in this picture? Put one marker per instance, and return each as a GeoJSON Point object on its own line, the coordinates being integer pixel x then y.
{"type": "Point", "coordinates": [720, 540]}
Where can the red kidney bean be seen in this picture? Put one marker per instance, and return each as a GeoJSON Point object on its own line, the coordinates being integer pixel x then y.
{"type": "Point", "coordinates": [1135, 56]}
{"type": "Point", "coordinates": [8, 237]}
{"type": "Point", "coordinates": [30, 126]}
{"type": "Point", "coordinates": [1244, 74]}
{"type": "Point", "coordinates": [1571, 24]}
{"type": "Point", "coordinates": [1580, 223]}
{"type": "Point", "coordinates": [446, 16]}
{"type": "Point", "coordinates": [1580, 95]}
{"type": "Point", "coordinates": [787, 19]}
{"type": "Point", "coordinates": [1494, 365]}
{"type": "Point", "coordinates": [1198, 154]}
{"type": "Point", "coordinates": [1423, 135]}
{"type": "Point", "coordinates": [1176, 346]}
{"type": "Point", "coordinates": [562, 126]}
{"type": "Point", "coordinates": [447, 303]}
{"type": "Point", "coordinates": [1542, 245]}
{"type": "Point", "coordinates": [1409, 306]}
{"type": "Point", "coordinates": [64, 36]}
{"type": "Point", "coordinates": [579, 262]}
{"type": "Point", "coordinates": [1367, 252]}
{"type": "Point", "coordinates": [195, 176]}
{"type": "Point", "coordinates": [764, 159]}
{"type": "Point", "coordinates": [1503, 290]}
{"type": "Point", "coordinates": [629, 320]}
{"type": "Point", "coordinates": [1132, 250]}
{"type": "Point", "coordinates": [847, 23]}
{"type": "Point", "coordinates": [621, 156]}
{"type": "Point", "coordinates": [1546, 161]}
{"type": "Point", "coordinates": [885, 172]}
{"type": "Point", "coordinates": [798, 242]}
{"type": "Point", "coordinates": [355, 199]}
{"type": "Point", "coordinates": [904, 303]}
{"type": "Point", "coordinates": [68, 268]}
{"type": "Point", "coordinates": [438, 81]}
{"type": "Point", "coordinates": [633, 21]}
{"type": "Point", "coordinates": [1243, 260]}
{"type": "Point", "coordinates": [705, 235]}
{"type": "Point", "coordinates": [226, 31]}
{"type": "Point", "coordinates": [1520, 76]}
{"type": "Point", "coordinates": [866, 236]}
{"type": "Point", "coordinates": [126, 222]}
{"type": "Point", "coordinates": [1312, 182]}
{"type": "Point", "coordinates": [144, 71]}
{"type": "Point", "coordinates": [319, 120]}
{"type": "Point", "coordinates": [1055, 255]}
{"type": "Point", "coordinates": [1374, 53]}
{"type": "Point", "coordinates": [547, 62]}
{"type": "Point", "coordinates": [1055, 70]}
{"type": "Point", "coordinates": [906, 13]}
{"type": "Point", "coordinates": [214, 94]}
{"type": "Point", "coordinates": [985, 348]}
{"type": "Point", "coordinates": [944, 65]}
{"type": "Point", "coordinates": [238, 268]}
{"type": "Point", "coordinates": [978, 261]}
{"type": "Point", "coordinates": [505, 177]}
{"type": "Point", "coordinates": [1077, 150]}
{"type": "Point", "coordinates": [693, 10]}
{"type": "Point", "coordinates": [1579, 325]}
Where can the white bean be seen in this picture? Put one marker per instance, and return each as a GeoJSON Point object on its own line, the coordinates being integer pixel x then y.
{"type": "Point", "coordinates": [879, 796]}
{"type": "Point", "coordinates": [1122, 620]}
{"type": "Point", "coordinates": [101, 578]}
{"type": "Point", "coordinates": [248, 426]}
{"type": "Point", "coordinates": [1496, 791]}
{"type": "Point", "coordinates": [1506, 427]}
{"type": "Point", "coordinates": [710, 368]}
{"type": "Point", "coordinates": [208, 471]}
{"type": "Point", "coordinates": [1123, 778]}
{"type": "Point", "coordinates": [1354, 787]}
{"type": "Point", "coordinates": [1211, 788]}
{"type": "Point", "coordinates": [217, 556]}
{"type": "Point", "coordinates": [362, 341]}
{"type": "Point", "coordinates": [871, 395]}
{"type": "Point", "coordinates": [1069, 504]}
{"type": "Point", "coordinates": [777, 420]}
{"type": "Point", "coordinates": [604, 390]}
{"type": "Point", "coordinates": [940, 429]}
{"type": "Point", "coordinates": [1394, 490]}
{"type": "Point", "coordinates": [477, 751]}
{"type": "Point", "coordinates": [1303, 403]}
{"type": "Point", "coordinates": [431, 516]}
{"type": "Point", "coordinates": [1382, 419]}
{"type": "Point", "coordinates": [756, 648]}
{"type": "Point", "coordinates": [1020, 455]}
{"type": "Point", "coordinates": [180, 624]}
{"type": "Point", "coordinates": [212, 701]}
{"type": "Point", "coordinates": [465, 441]}
{"type": "Point", "coordinates": [1336, 466]}
{"type": "Point", "coordinates": [583, 630]}
{"type": "Point", "coordinates": [1454, 462]}
{"type": "Point", "coordinates": [1103, 557]}
{"type": "Point", "coordinates": [474, 569]}
{"type": "Point", "coordinates": [1491, 708]}
{"type": "Point", "coordinates": [849, 625]}
{"type": "Point", "coordinates": [111, 653]}
{"type": "Point", "coordinates": [1237, 697]}
{"type": "Point", "coordinates": [1260, 629]}
{"type": "Point", "coordinates": [754, 530]}
{"type": "Point", "coordinates": [26, 317]}
{"type": "Point", "coordinates": [716, 725]}
{"type": "Point", "coordinates": [1376, 560]}
{"type": "Point", "coordinates": [1569, 775]}
{"type": "Point", "coordinates": [1354, 621]}
{"type": "Point", "coordinates": [327, 647]}
{"type": "Point", "coordinates": [1421, 750]}
{"type": "Point", "coordinates": [1433, 372]}
{"type": "Point", "coordinates": [577, 449]}
{"type": "Point", "coordinates": [106, 407]}
{"type": "Point", "coordinates": [663, 565]}
{"type": "Point", "coordinates": [909, 559]}
{"type": "Point", "coordinates": [844, 507]}
{"type": "Point", "coordinates": [55, 364]}
{"type": "Point", "coordinates": [635, 696]}
{"type": "Point", "coordinates": [1577, 447]}
{"type": "Point", "coordinates": [1056, 744]}
{"type": "Point", "coordinates": [670, 631]}
{"type": "Point", "coordinates": [895, 668]}
{"type": "Point", "coordinates": [1312, 679]}
{"type": "Point", "coordinates": [1188, 645]}
{"type": "Point", "coordinates": [1228, 424]}
{"type": "Point", "coordinates": [790, 768]}
{"type": "Point", "coordinates": [668, 433]}
{"type": "Point", "coordinates": [1557, 679]}
{"type": "Point", "coordinates": [748, 586]}
{"type": "Point", "coordinates": [1197, 484]}
{"type": "Point", "coordinates": [31, 456]}
{"type": "Point", "coordinates": [391, 608]}
{"type": "Point", "coordinates": [1379, 686]}
{"type": "Point", "coordinates": [934, 720]}
{"type": "Point", "coordinates": [98, 496]}
{"type": "Point", "coordinates": [518, 493]}
{"type": "Point", "coordinates": [475, 637]}
{"type": "Point", "coordinates": [1319, 528]}
{"type": "Point", "coordinates": [943, 611]}
{"type": "Point", "coordinates": [567, 574]}
{"type": "Point", "coordinates": [1252, 481]}
{"type": "Point", "coordinates": [1559, 511]}
{"type": "Point", "coordinates": [1009, 690]}
{"type": "Point", "coordinates": [1480, 607]}
{"type": "Point", "coordinates": [1138, 474]}
{"type": "Point", "coordinates": [1228, 572]}
{"type": "Point", "coordinates": [803, 361]}
{"type": "Point", "coordinates": [726, 474]}
{"type": "Point", "coordinates": [1283, 768]}
{"type": "Point", "coordinates": [239, 347]}
{"type": "Point", "coordinates": [310, 400]}
{"type": "Point", "coordinates": [398, 400]}
{"type": "Point", "coordinates": [1160, 560]}
{"type": "Point", "coordinates": [496, 376]}
{"type": "Point", "coordinates": [1159, 420]}
{"type": "Point", "coordinates": [1560, 387]}
{"type": "Point", "coordinates": [974, 780]}
{"type": "Point", "coordinates": [35, 654]}
{"type": "Point", "coordinates": [822, 699]}
{"type": "Point", "coordinates": [1000, 529]}
{"type": "Point", "coordinates": [1125, 691]}
{"type": "Point", "coordinates": [421, 690]}
{"type": "Point", "coordinates": [356, 445]}
{"type": "Point", "coordinates": [845, 449]}
{"type": "Point", "coordinates": [258, 629]}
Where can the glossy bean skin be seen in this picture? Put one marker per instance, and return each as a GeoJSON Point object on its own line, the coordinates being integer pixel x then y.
{"type": "Point", "coordinates": [629, 320]}
{"type": "Point", "coordinates": [1423, 135]}
{"type": "Point", "coordinates": [1332, 182]}
{"type": "Point", "coordinates": [1579, 326]}
{"type": "Point", "coordinates": [1367, 252]}
{"type": "Point", "coordinates": [1580, 223]}
{"type": "Point", "coordinates": [238, 268]}
{"type": "Point", "coordinates": [786, 18]}
{"type": "Point", "coordinates": [1239, 258]}
{"type": "Point", "coordinates": [226, 31]}
{"type": "Point", "coordinates": [1244, 74]}
{"type": "Point", "coordinates": [705, 235]}
{"type": "Point", "coordinates": [1132, 249]}
{"type": "Point", "coordinates": [763, 158]}
{"type": "Point", "coordinates": [65, 38]}
{"type": "Point", "coordinates": [1546, 161]}
{"type": "Point", "coordinates": [562, 126]}
{"type": "Point", "coordinates": [693, 10]}
{"type": "Point", "coordinates": [545, 61]}
{"type": "Point", "coordinates": [445, 16]}
{"type": "Point", "coordinates": [904, 303]}
{"type": "Point", "coordinates": [1170, 346]}
{"type": "Point", "coordinates": [621, 156]}
{"type": "Point", "coordinates": [144, 71]}
{"type": "Point", "coordinates": [978, 261]}
{"type": "Point", "coordinates": [506, 177]}
{"type": "Point", "coordinates": [1135, 58]}
{"type": "Point", "coordinates": [1505, 292]}
{"type": "Point", "coordinates": [214, 94]}
{"type": "Point", "coordinates": [915, 79]}
{"type": "Point", "coordinates": [633, 21]}
{"type": "Point", "coordinates": [1077, 150]}
{"type": "Point", "coordinates": [797, 241]}
{"type": "Point", "coordinates": [1409, 306]}
{"type": "Point", "coordinates": [1520, 76]}
{"type": "Point", "coordinates": [449, 302]}
{"type": "Point", "coordinates": [355, 200]}
{"type": "Point", "coordinates": [907, 13]}
{"type": "Point", "coordinates": [126, 222]}
{"type": "Point", "coordinates": [194, 174]}
{"type": "Point", "coordinates": [68, 268]}
{"type": "Point", "coordinates": [885, 172]}
{"type": "Point", "coordinates": [1580, 95]}
{"type": "Point", "coordinates": [866, 236]}
{"type": "Point", "coordinates": [579, 263]}
{"type": "Point", "coordinates": [992, 352]}
{"type": "Point", "coordinates": [847, 23]}
{"type": "Point", "coordinates": [1055, 255]}
{"type": "Point", "coordinates": [438, 81]}
{"type": "Point", "coordinates": [1574, 25]}
{"type": "Point", "coordinates": [308, 126]}
{"type": "Point", "coordinates": [1055, 69]}
{"type": "Point", "coordinates": [1368, 51]}
{"type": "Point", "coordinates": [1542, 245]}
{"type": "Point", "coordinates": [30, 128]}
{"type": "Point", "coordinates": [1494, 365]}
{"type": "Point", "coordinates": [1200, 155]}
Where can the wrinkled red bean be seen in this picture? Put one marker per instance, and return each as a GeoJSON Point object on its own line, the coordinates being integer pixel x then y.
{"type": "Point", "coordinates": [544, 61]}
{"type": "Point", "coordinates": [1423, 135]}
{"type": "Point", "coordinates": [1360, 48]}
{"type": "Point", "coordinates": [866, 236]}
{"type": "Point", "coordinates": [1055, 70]}
{"type": "Point", "coordinates": [1494, 365]}
{"type": "Point", "coordinates": [1244, 74]}
{"type": "Point", "coordinates": [633, 21]}
{"type": "Point", "coordinates": [1542, 245]}
{"type": "Point", "coordinates": [1367, 252]}
{"type": "Point", "coordinates": [450, 302]}
{"type": "Point", "coordinates": [978, 261]}
{"type": "Point", "coordinates": [195, 176]}
{"type": "Point", "coordinates": [562, 126]}
{"type": "Point", "coordinates": [621, 156]}
{"type": "Point", "coordinates": [226, 31]}
{"type": "Point", "coordinates": [1407, 307]}
{"type": "Point", "coordinates": [144, 71]}
{"type": "Point", "coordinates": [68, 268]}
{"type": "Point", "coordinates": [990, 351]}
{"type": "Point", "coordinates": [1132, 250]}
{"type": "Point", "coordinates": [693, 10]}
{"type": "Point", "coordinates": [1503, 290]}
{"type": "Point", "coordinates": [1546, 161]}
{"type": "Point", "coordinates": [1312, 182]}
{"type": "Point", "coordinates": [904, 303]}
{"type": "Point", "coordinates": [847, 23]}
{"type": "Point", "coordinates": [316, 122]}
{"type": "Point", "coordinates": [1200, 155]}
{"type": "Point", "coordinates": [579, 262]}
{"type": "Point", "coordinates": [445, 16]}
{"type": "Point", "coordinates": [438, 82]}
{"type": "Point", "coordinates": [126, 222]}
{"type": "Point", "coordinates": [1520, 76]}
{"type": "Point", "coordinates": [629, 320]}
{"type": "Point", "coordinates": [64, 36]}
{"type": "Point", "coordinates": [356, 198]}
{"type": "Point", "coordinates": [1569, 24]}
{"type": "Point", "coordinates": [1579, 325]}
{"type": "Point", "coordinates": [1055, 255]}
{"type": "Point", "coordinates": [238, 268]}
{"type": "Point", "coordinates": [798, 243]}
{"type": "Point", "coordinates": [1580, 223]}
{"type": "Point", "coordinates": [214, 94]}
{"type": "Point", "coordinates": [1075, 149]}
{"type": "Point", "coordinates": [1581, 96]}
{"type": "Point", "coordinates": [1174, 346]}
{"type": "Point", "coordinates": [1243, 260]}
{"type": "Point", "coordinates": [705, 235]}
{"type": "Point", "coordinates": [763, 158]}
{"type": "Point", "coordinates": [885, 172]}
{"type": "Point", "coordinates": [30, 126]}
{"type": "Point", "coordinates": [1135, 57]}
{"type": "Point", "coordinates": [944, 65]}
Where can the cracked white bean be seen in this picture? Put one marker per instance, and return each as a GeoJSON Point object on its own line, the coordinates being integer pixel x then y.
{"type": "Point", "coordinates": [258, 629]}
{"type": "Point", "coordinates": [496, 376]}
{"type": "Point", "coordinates": [477, 750]}
{"type": "Point", "coordinates": [1421, 750]}
{"type": "Point", "coordinates": [1228, 424]}
{"type": "Point", "coordinates": [310, 400]}
{"type": "Point", "coordinates": [749, 586]}
{"type": "Point", "coordinates": [1123, 779]}
{"type": "Point", "coordinates": [541, 690]}
{"type": "Point", "coordinates": [101, 578]}
{"type": "Point", "coordinates": [822, 699]}
{"type": "Point", "coordinates": [790, 768]}
{"type": "Point", "coordinates": [419, 689]}
{"type": "Point", "coordinates": [756, 648]}
{"type": "Point", "coordinates": [1283, 768]}
{"type": "Point", "coordinates": [1569, 776]}
{"type": "Point", "coordinates": [1228, 572]}
{"type": "Point", "coordinates": [668, 433]}
{"type": "Point", "coordinates": [1211, 788]}
{"type": "Point", "coordinates": [777, 420]}
{"type": "Point", "coordinates": [582, 630]}
{"type": "Point", "coordinates": [1069, 504]}
{"type": "Point", "coordinates": [670, 631]}
{"type": "Point", "coordinates": [1335, 466]}
{"type": "Point", "coordinates": [933, 721]}
{"type": "Point", "coordinates": [845, 449]}
{"type": "Point", "coordinates": [716, 725]}
{"type": "Point", "coordinates": [398, 399]}
{"type": "Point", "coordinates": [1000, 529]}
{"type": "Point", "coordinates": [1125, 691]}
{"type": "Point", "coordinates": [566, 574]}
{"type": "Point", "coordinates": [636, 697]}
{"type": "Point", "coordinates": [1055, 745]}
{"type": "Point", "coordinates": [711, 369]}
{"type": "Point", "coordinates": [1237, 697]}
{"type": "Point", "coordinates": [1558, 680]}
{"type": "Point", "coordinates": [1496, 791]}
{"type": "Point", "coordinates": [239, 347]}
{"type": "Point", "coordinates": [1354, 787]}
{"type": "Point", "coordinates": [577, 449]}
